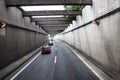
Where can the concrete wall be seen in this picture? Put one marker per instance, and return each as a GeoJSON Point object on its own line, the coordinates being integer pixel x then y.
{"type": "Point", "coordinates": [18, 41]}
{"type": "Point", "coordinates": [100, 42]}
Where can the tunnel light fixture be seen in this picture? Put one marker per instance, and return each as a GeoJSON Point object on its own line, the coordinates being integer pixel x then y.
{"type": "Point", "coordinates": [2, 24]}
{"type": "Point", "coordinates": [96, 22]}
{"type": "Point", "coordinates": [46, 16]}
{"type": "Point", "coordinates": [43, 8]}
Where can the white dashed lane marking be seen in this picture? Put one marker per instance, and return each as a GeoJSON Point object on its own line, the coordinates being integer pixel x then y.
{"type": "Point", "coordinates": [55, 60]}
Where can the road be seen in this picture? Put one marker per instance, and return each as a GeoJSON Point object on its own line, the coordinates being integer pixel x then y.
{"type": "Point", "coordinates": [61, 64]}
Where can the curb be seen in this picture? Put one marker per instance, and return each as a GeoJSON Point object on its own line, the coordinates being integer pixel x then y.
{"type": "Point", "coordinates": [93, 66]}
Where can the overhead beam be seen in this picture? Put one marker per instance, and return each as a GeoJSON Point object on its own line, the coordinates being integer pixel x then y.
{"type": "Point", "coordinates": [54, 29]}
{"type": "Point", "coordinates": [48, 30]}
{"type": "Point", "coordinates": [50, 19]}
{"type": "Point", "coordinates": [62, 25]}
{"type": "Point", "coordinates": [47, 2]}
{"type": "Point", "coordinates": [53, 22]}
{"type": "Point", "coordinates": [55, 32]}
{"type": "Point", "coordinates": [50, 13]}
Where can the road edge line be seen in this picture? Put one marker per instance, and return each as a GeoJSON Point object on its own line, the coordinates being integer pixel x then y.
{"type": "Point", "coordinates": [25, 67]}
{"type": "Point", "coordinates": [104, 76]}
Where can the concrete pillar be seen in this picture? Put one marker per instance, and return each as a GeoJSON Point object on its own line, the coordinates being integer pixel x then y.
{"type": "Point", "coordinates": [79, 20]}
{"type": "Point", "coordinates": [27, 22]}
{"type": "Point", "coordinates": [17, 41]}
{"type": "Point", "coordinates": [74, 24]}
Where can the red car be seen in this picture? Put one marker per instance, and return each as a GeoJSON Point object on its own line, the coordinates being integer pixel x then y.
{"type": "Point", "coordinates": [46, 50]}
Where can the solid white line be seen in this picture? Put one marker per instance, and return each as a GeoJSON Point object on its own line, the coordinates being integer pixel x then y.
{"type": "Point", "coordinates": [55, 60]}
{"type": "Point", "coordinates": [89, 67]}
{"type": "Point", "coordinates": [24, 67]}
{"type": "Point", "coordinates": [56, 48]}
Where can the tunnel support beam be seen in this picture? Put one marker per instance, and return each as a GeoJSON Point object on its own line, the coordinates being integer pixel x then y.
{"type": "Point", "coordinates": [57, 25]}
{"type": "Point", "coordinates": [47, 13]}
{"type": "Point", "coordinates": [47, 2]}
{"type": "Point", "coordinates": [53, 22]}
{"type": "Point", "coordinates": [50, 19]}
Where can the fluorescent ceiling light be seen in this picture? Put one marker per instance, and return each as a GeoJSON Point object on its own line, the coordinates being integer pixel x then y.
{"type": "Point", "coordinates": [43, 8]}
{"type": "Point", "coordinates": [46, 16]}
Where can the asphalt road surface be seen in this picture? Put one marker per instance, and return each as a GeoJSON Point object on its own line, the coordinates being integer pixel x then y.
{"type": "Point", "coordinates": [61, 64]}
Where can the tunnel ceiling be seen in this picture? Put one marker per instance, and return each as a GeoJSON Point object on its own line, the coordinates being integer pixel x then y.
{"type": "Point", "coordinates": [49, 24]}
{"type": "Point", "coordinates": [47, 2]}
{"type": "Point", "coordinates": [47, 13]}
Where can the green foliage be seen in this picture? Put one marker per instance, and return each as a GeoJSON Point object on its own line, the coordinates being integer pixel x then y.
{"type": "Point", "coordinates": [52, 35]}
{"type": "Point", "coordinates": [70, 17]}
{"type": "Point", "coordinates": [72, 8]}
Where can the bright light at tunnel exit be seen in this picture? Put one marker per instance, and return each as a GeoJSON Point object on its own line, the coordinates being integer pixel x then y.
{"type": "Point", "coordinates": [48, 35]}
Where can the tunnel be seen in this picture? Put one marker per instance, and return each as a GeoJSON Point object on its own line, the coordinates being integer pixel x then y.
{"type": "Point", "coordinates": [82, 35]}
